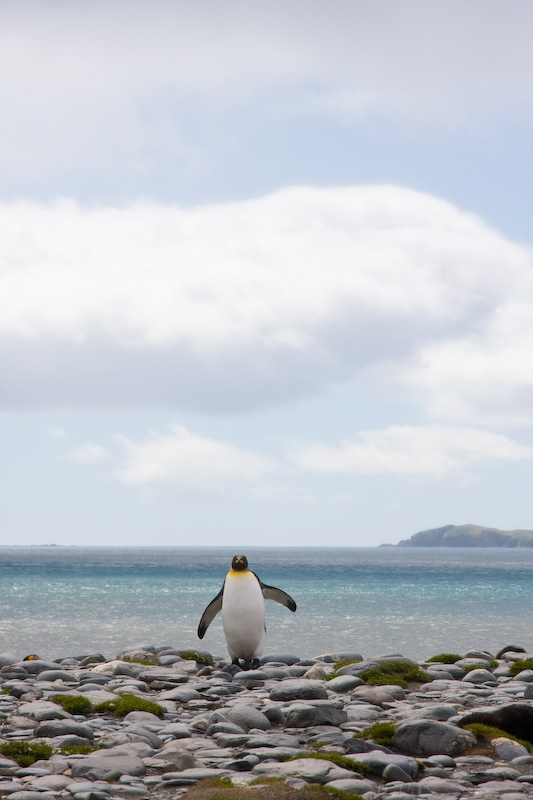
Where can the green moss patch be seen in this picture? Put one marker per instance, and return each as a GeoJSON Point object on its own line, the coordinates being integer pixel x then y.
{"type": "Point", "coordinates": [78, 749]}
{"type": "Point", "coordinates": [381, 733]}
{"type": "Point", "coordinates": [26, 753]}
{"type": "Point", "coordinates": [266, 790]}
{"type": "Point", "coordinates": [444, 658]}
{"type": "Point", "coordinates": [74, 703]}
{"type": "Point", "coordinates": [485, 733]}
{"type": "Point", "coordinates": [399, 673]}
{"type": "Point", "coordinates": [129, 702]}
{"type": "Point", "coordinates": [518, 666]}
{"type": "Point", "coordinates": [194, 655]}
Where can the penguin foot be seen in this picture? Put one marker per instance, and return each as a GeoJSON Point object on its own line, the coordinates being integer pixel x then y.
{"type": "Point", "coordinates": [253, 664]}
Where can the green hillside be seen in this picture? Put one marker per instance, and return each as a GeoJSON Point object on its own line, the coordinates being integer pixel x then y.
{"type": "Point", "coordinates": [468, 536]}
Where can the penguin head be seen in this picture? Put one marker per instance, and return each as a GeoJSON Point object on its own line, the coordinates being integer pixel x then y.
{"type": "Point", "coordinates": [239, 563]}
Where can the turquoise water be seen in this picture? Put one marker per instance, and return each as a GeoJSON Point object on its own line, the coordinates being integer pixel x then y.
{"type": "Point", "coordinates": [60, 601]}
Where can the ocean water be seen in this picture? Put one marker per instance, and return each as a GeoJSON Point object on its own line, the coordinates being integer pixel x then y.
{"type": "Point", "coordinates": [61, 601]}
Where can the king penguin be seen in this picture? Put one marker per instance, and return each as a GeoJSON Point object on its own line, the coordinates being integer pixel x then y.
{"type": "Point", "coordinates": [242, 602]}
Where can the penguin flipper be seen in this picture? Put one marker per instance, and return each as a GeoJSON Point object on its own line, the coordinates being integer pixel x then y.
{"type": "Point", "coordinates": [210, 613]}
{"type": "Point", "coordinates": [271, 593]}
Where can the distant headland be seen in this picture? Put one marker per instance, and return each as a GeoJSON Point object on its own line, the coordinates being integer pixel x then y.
{"type": "Point", "coordinates": [468, 536]}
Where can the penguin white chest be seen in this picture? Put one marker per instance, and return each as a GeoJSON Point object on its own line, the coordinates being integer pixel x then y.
{"type": "Point", "coordinates": [243, 615]}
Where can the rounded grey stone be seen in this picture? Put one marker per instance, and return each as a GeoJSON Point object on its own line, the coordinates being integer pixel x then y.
{"type": "Point", "coordinates": [479, 676]}
{"type": "Point", "coordinates": [442, 713]}
{"type": "Point", "coordinates": [63, 727]}
{"type": "Point", "coordinates": [107, 767]}
{"type": "Point", "coordinates": [440, 786]}
{"type": "Point", "coordinates": [249, 717]}
{"type": "Point", "coordinates": [344, 683]}
{"type": "Point", "coordinates": [143, 733]}
{"type": "Point", "coordinates": [507, 749]}
{"type": "Point", "coordinates": [304, 716]}
{"type": "Point", "coordinates": [274, 714]}
{"type": "Point", "coordinates": [393, 772]}
{"type": "Point", "coordinates": [526, 676]}
{"type": "Point", "coordinates": [37, 666]}
{"type": "Point", "coordinates": [178, 730]}
{"type": "Point", "coordinates": [283, 658]}
{"type": "Point", "coordinates": [57, 675]}
{"type": "Point", "coordinates": [378, 761]}
{"type": "Point", "coordinates": [482, 663]}
{"type": "Point", "coordinates": [355, 785]}
{"type": "Point", "coordinates": [181, 694]}
{"type": "Point", "coordinates": [42, 710]}
{"type": "Point", "coordinates": [430, 737]}
{"type": "Point", "coordinates": [7, 659]}
{"type": "Point", "coordinates": [440, 670]}
{"type": "Point", "coordinates": [295, 689]}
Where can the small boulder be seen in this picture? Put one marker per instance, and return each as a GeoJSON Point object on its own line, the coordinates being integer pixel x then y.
{"type": "Point", "coordinates": [299, 689]}
{"type": "Point", "coordinates": [479, 676]}
{"type": "Point", "coordinates": [507, 749]}
{"type": "Point", "coordinates": [247, 717]}
{"type": "Point", "coordinates": [107, 768]}
{"type": "Point", "coordinates": [301, 715]}
{"type": "Point", "coordinates": [429, 737]}
{"type": "Point", "coordinates": [61, 727]}
{"type": "Point", "coordinates": [513, 718]}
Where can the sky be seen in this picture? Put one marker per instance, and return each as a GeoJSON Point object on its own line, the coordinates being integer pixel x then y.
{"type": "Point", "coordinates": [266, 270]}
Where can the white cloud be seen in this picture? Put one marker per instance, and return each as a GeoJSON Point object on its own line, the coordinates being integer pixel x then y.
{"type": "Point", "coordinates": [87, 454]}
{"type": "Point", "coordinates": [429, 450]}
{"type": "Point", "coordinates": [107, 87]}
{"type": "Point", "coordinates": [484, 379]}
{"type": "Point", "coordinates": [192, 462]}
{"type": "Point", "coordinates": [236, 306]}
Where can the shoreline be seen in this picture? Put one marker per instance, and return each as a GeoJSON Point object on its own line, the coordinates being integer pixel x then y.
{"type": "Point", "coordinates": [405, 734]}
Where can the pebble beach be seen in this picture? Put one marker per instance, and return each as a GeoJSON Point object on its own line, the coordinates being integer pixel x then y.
{"type": "Point", "coordinates": [302, 723]}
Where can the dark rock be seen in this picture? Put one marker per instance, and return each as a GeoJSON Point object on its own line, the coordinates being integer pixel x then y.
{"type": "Point", "coordinates": [318, 713]}
{"type": "Point", "coordinates": [95, 658]}
{"type": "Point", "coordinates": [510, 648]}
{"type": "Point", "coordinates": [274, 714]}
{"type": "Point", "coordinates": [515, 718]}
{"type": "Point", "coordinates": [358, 746]}
{"type": "Point", "coordinates": [244, 764]}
